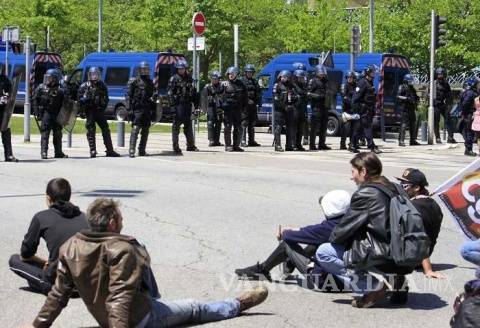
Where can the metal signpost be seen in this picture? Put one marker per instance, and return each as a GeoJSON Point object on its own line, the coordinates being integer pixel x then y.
{"type": "Point", "coordinates": [199, 24]}
{"type": "Point", "coordinates": [26, 106]}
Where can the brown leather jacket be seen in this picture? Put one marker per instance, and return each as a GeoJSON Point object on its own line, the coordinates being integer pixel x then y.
{"type": "Point", "coordinates": [106, 269]}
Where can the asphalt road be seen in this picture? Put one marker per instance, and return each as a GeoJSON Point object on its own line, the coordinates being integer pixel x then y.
{"type": "Point", "coordinates": [204, 214]}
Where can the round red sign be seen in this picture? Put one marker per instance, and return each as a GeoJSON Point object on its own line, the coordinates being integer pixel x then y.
{"type": "Point", "coordinates": [199, 23]}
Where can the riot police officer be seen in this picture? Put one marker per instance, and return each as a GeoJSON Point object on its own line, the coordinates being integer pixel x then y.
{"type": "Point", "coordinates": [5, 90]}
{"type": "Point", "coordinates": [141, 102]}
{"type": "Point", "coordinates": [182, 95]}
{"type": "Point", "coordinates": [250, 115]}
{"type": "Point", "coordinates": [306, 125]}
{"type": "Point", "coordinates": [467, 108]}
{"type": "Point", "coordinates": [47, 101]}
{"type": "Point", "coordinates": [93, 97]}
{"type": "Point", "coordinates": [285, 100]}
{"type": "Point", "coordinates": [363, 102]}
{"type": "Point", "coordinates": [348, 89]}
{"type": "Point", "coordinates": [443, 98]}
{"type": "Point", "coordinates": [317, 92]}
{"type": "Point", "coordinates": [300, 87]}
{"type": "Point", "coordinates": [234, 101]}
{"type": "Point", "coordinates": [213, 92]}
{"type": "Point", "coordinates": [408, 99]}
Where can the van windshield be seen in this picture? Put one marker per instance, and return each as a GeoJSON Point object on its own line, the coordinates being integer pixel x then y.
{"type": "Point", "coordinates": [163, 75]}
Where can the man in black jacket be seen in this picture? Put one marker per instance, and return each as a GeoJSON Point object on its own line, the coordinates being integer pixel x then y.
{"type": "Point", "coordinates": [361, 240]}
{"type": "Point", "coordinates": [55, 225]}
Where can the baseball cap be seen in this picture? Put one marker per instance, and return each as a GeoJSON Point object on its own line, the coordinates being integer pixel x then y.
{"type": "Point", "coordinates": [415, 177]}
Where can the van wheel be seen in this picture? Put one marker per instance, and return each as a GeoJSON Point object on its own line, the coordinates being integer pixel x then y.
{"type": "Point", "coordinates": [333, 126]}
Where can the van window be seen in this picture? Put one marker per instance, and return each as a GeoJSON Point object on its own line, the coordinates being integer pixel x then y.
{"type": "Point", "coordinates": [85, 75]}
{"type": "Point", "coordinates": [117, 75]}
{"type": "Point", "coordinates": [314, 61]}
{"type": "Point", "coordinates": [163, 75]}
{"type": "Point", "coordinates": [76, 77]}
{"type": "Point", "coordinates": [19, 69]}
{"type": "Point", "coordinates": [389, 83]}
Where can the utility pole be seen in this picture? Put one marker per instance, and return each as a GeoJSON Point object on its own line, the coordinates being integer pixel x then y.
{"type": "Point", "coordinates": [100, 9]}
{"type": "Point", "coordinates": [26, 104]}
{"type": "Point", "coordinates": [235, 45]}
{"type": "Point", "coordinates": [370, 48]}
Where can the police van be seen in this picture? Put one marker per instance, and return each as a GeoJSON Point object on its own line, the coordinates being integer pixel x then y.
{"type": "Point", "coordinates": [40, 62]}
{"type": "Point", "coordinates": [118, 67]}
{"type": "Point", "coordinates": [392, 68]}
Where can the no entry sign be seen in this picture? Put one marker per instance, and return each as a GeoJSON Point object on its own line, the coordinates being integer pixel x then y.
{"type": "Point", "coordinates": [199, 23]}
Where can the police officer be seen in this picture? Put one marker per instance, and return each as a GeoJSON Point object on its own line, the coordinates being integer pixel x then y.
{"type": "Point", "coordinates": [300, 87]}
{"type": "Point", "coordinates": [47, 102]}
{"type": "Point", "coordinates": [348, 89]}
{"type": "Point", "coordinates": [141, 102]}
{"type": "Point", "coordinates": [285, 100]}
{"type": "Point", "coordinates": [467, 108]}
{"type": "Point", "coordinates": [250, 115]}
{"type": "Point", "coordinates": [213, 92]}
{"type": "Point", "coordinates": [443, 98]}
{"type": "Point", "coordinates": [306, 125]}
{"type": "Point", "coordinates": [93, 97]}
{"type": "Point", "coordinates": [5, 90]}
{"type": "Point", "coordinates": [234, 101]}
{"type": "Point", "coordinates": [182, 95]}
{"type": "Point", "coordinates": [408, 99]}
{"type": "Point", "coordinates": [317, 92]}
{"type": "Point", "coordinates": [363, 102]}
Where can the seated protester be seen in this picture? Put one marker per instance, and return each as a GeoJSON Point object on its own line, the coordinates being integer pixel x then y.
{"type": "Point", "coordinates": [113, 276]}
{"type": "Point", "coordinates": [361, 240]}
{"type": "Point", "coordinates": [55, 225]}
{"type": "Point", "coordinates": [414, 183]}
{"type": "Point", "coordinates": [334, 204]}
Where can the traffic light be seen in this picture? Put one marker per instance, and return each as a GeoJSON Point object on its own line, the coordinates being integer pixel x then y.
{"type": "Point", "coordinates": [439, 31]}
{"type": "Point", "coordinates": [356, 40]}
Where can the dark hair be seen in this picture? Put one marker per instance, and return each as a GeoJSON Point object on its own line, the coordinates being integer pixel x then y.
{"type": "Point", "coordinates": [370, 162]}
{"type": "Point", "coordinates": [59, 189]}
{"type": "Point", "coordinates": [99, 213]}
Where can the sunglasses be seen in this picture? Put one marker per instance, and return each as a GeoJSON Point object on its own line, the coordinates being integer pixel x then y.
{"type": "Point", "coordinates": [406, 185]}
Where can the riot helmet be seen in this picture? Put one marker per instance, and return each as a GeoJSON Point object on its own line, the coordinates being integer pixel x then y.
{"type": "Point", "coordinates": [352, 75]}
{"type": "Point", "coordinates": [440, 73]}
{"type": "Point", "coordinates": [320, 71]}
{"type": "Point", "coordinates": [408, 79]}
{"type": "Point", "coordinates": [144, 69]}
{"type": "Point", "coordinates": [299, 73]}
{"type": "Point", "coordinates": [284, 76]}
{"type": "Point", "coordinates": [50, 78]}
{"type": "Point", "coordinates": [370, 71]}
{"type": "Point", "coordinates": [232, 72]}
{"type": "Point", "coordinates": [215, 76]}
{"type": "Point", "coordinates": [93, 74]}
{"type": "Point", "coordinates": [181, 66]}
{"type": "Point", "coordinates": [249, 68]}
{"type": "Point", "coordinates": [299, 66]}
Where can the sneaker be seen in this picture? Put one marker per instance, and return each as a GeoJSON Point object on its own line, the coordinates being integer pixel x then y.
{"type": "Point", "coordinates": [254, 272]}
{"type": "Point", "coordinates": [61, 155]}
{"type": "Point", "coordinates": [11, 158]}
{"type": "Point", "coordinates": [415, 143]}
{"type": "Point", "coordinates": [324, 147]}
{"type": "Point", "coordinates": [370, 299]}
{"type": "Point", "coordinates": [252, 298]}
{"type": "Point", "coordinates": [253, 144]}
{"type": "Point", "coordinates": [112, 154]}
{"type": "Point", "coordinates": [470, 153]}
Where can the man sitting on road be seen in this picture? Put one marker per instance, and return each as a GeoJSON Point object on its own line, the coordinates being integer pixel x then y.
{"type": "Point", "coordinates": [414, 182]}
{"type": "Point", "coordinates": [55, 225]}
{"type": "Point", "coordinates": [334, 204]}
{"type": "Point", "coordinates": [113, 276]}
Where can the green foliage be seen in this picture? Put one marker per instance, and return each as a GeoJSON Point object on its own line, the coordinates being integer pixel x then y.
{"type": "Point", "coordinates": [267, 28]}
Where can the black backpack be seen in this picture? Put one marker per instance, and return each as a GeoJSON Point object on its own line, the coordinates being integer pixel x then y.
{"type": "Point", "coordinates": [409, 243]}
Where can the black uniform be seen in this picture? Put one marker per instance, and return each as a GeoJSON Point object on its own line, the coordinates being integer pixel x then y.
{"type": "Point", "coordinates": [348, 90]}
{"type": "Point", "coordinates": [250, 115]}
{"type": "Point", "coordinates": [93, 97]}
{"type": "Point", "coordinates": [182, 95]}
{"type": "Point", "coordinates": [363, 101]}
{"type": "Point", "coordinates": [285, 100]}
{"type": "Point", "coordinates": [317, 92]}
{"type": "Point", "coordinates": [408, 100]}
{"type": "Point", "coordinates": [443, 97]}
{"type": "Point", "coordinates": [467, 108]}
{"type": "Point", "coordinates": [5, 88]}
{"type": "Point", "coordinates": [141, 104]}
{"type": "Point", "coordinates": [47, 102]}
{"type": "Point", "coordinates": [300, 112]}
{"type": "Point", "coordinates": [234, 101]}
{"type": "Point", "coordinates": [213, 92]}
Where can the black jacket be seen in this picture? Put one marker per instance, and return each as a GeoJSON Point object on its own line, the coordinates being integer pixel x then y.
{"type": "Point", "coordinates": [431, 215]}
{"type": "Point", "coordinates": [364, 97]}
{"type": "Point", "coordinates": [55, 225]}
{"type": "Point", "coordinates": [365, 228]}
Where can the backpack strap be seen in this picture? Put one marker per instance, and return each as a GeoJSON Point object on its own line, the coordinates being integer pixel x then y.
{"type": "Point", "coordinates": [387, 191]}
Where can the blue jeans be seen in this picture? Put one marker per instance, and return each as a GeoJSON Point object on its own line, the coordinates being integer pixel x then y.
{"type": "Point", "coordinates": [168, 314]}
{"type": "Point", "coordinates": [330, 258]}
{"type": "Point", "coordinates": [471, 251]}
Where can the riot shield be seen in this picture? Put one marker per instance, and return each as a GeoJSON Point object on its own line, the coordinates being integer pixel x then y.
{"type": "Point", "coordinates": [204, 100]}
{"type": "Point", "coordinates": [10, 106]}
{"type": "Point", "coordinates": [68, 114]}
{"type": "Point", "coordinates": [158, 110]}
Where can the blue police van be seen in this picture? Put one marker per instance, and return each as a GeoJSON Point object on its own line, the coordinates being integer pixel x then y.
{"type": "Point", "coordinates": [118, 67]}
{"type": "Point", "coordinates": [392, 68]}
{"type": "Point", "coordinates": [40, 62]}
